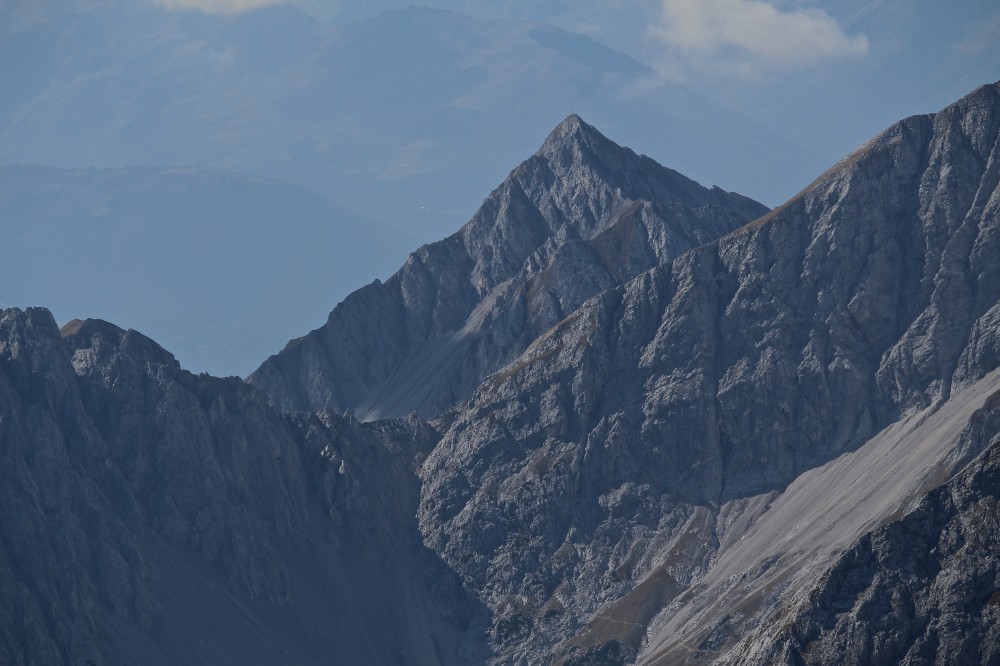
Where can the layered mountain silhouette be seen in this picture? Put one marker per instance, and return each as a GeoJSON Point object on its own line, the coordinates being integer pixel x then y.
{"type": "Point", "coordinates": [578, 217]}
{"type": "Point", "coordinates": [157, 517]}
{"type": "Point", "coordinates": [649, 430]}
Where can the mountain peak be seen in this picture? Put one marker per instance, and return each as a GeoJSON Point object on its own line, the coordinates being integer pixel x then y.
{"type": "Point", "coordinates": [574, 131]}
{"type": "Point", "coordinates": [578, 155]}
{"type": "Point", "coordinates": [573, 123]}
{"type": "Point", "coordinates": [581, 215]}
{"type": "Point", "coordinates": [106, 341]}
{"type": "Point", "coordinates": [985, 92]}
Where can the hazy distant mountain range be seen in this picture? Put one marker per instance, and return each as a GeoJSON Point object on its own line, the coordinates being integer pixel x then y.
{"type": "Point", "coordinates": [921, 55]}
{"type": "Point", "coordinates": [654, 435]}
{"type": "Point", "coordinates": [625, 414]}
{"type": "Point", "coordinates": [411, 116]}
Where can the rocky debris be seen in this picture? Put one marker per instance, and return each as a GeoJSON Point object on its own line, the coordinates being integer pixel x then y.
{"type": "Point", "coordinates": [580, 216]}
{"type": "Point", "coordinates": [766, 568]}
{"type": "Point", "coordinates": [154, 516]}
{"type": "Point", "coordinates": [601, 457]}
{"type": "Point", "coordinates": [922, 589]}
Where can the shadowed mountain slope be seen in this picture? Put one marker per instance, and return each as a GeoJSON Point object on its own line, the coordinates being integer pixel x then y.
{"type": "Point", "coordinates": [157, 517]}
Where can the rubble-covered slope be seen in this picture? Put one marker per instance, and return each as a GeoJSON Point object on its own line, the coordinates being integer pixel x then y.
{"type": "Point", "coordinates": [599, 461]}
{"type": "Point", "coordinates": [153, 516]}
{"type": "Point", "coordinates": [766, 571]}
{"type": "Point", "coordinates": [580, 216]}
{"type": "Point", "coordinates": [922, 589]}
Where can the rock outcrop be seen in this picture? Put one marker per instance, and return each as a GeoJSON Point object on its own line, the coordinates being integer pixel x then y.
{"type": "Point", "coordinates": [580, 216]}
{"type": "Point", "coordinates": [602, 461]}
{"type": "Point", "coordinates": [158, 517]}
{"type": "Point", "coordinates": [772, 558]}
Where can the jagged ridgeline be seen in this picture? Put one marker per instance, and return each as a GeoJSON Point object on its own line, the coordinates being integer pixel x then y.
{"type": "Point", "coordinates": [591, 489]}
{"type": "Point", "coordinates": [667, 426]}
{"type": "Point", "coordinates": [578, 217]}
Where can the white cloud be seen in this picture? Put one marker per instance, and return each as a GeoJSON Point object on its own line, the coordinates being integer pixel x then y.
{"type": "Point", "coordinates": [217, 6]}
{"type": "Point", "coordinates": [751, 37]}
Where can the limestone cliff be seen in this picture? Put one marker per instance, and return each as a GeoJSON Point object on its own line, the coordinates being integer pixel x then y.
{"type": "Point", "coordinates": [660, 436]}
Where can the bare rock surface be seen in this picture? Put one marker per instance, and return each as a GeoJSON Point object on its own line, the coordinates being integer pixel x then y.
{"type": "Point", "coordinates": [580, 216]}
{"type": "Point", "coordinates": [158, 517]}
{"type": "Point", "coordinates": [921, 589]}
{"type": "Point", "coordinates": [741, 608]}
{"type": "Point", "coordinates": [598, 463]}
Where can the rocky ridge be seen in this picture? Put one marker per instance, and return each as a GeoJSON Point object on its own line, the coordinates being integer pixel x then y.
{"type": "Point", "coordinates": [154, 516]}
{"type": "Point", "coordinates": [580, 216]}
{"type": "Point", "coordinates": [606, 459]}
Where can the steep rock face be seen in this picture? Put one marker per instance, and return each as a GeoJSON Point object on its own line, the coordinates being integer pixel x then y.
{"type": "Point", "coordinates": [580, 216]}
{"type": "Point", "coordinates": [598, 461]}
{"type": "Point", "coordinates": [55, 528]}
{"type": "Point", "coordinates": [154, 516]}
{"type": "Point", "coordinates": [207, 463]}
